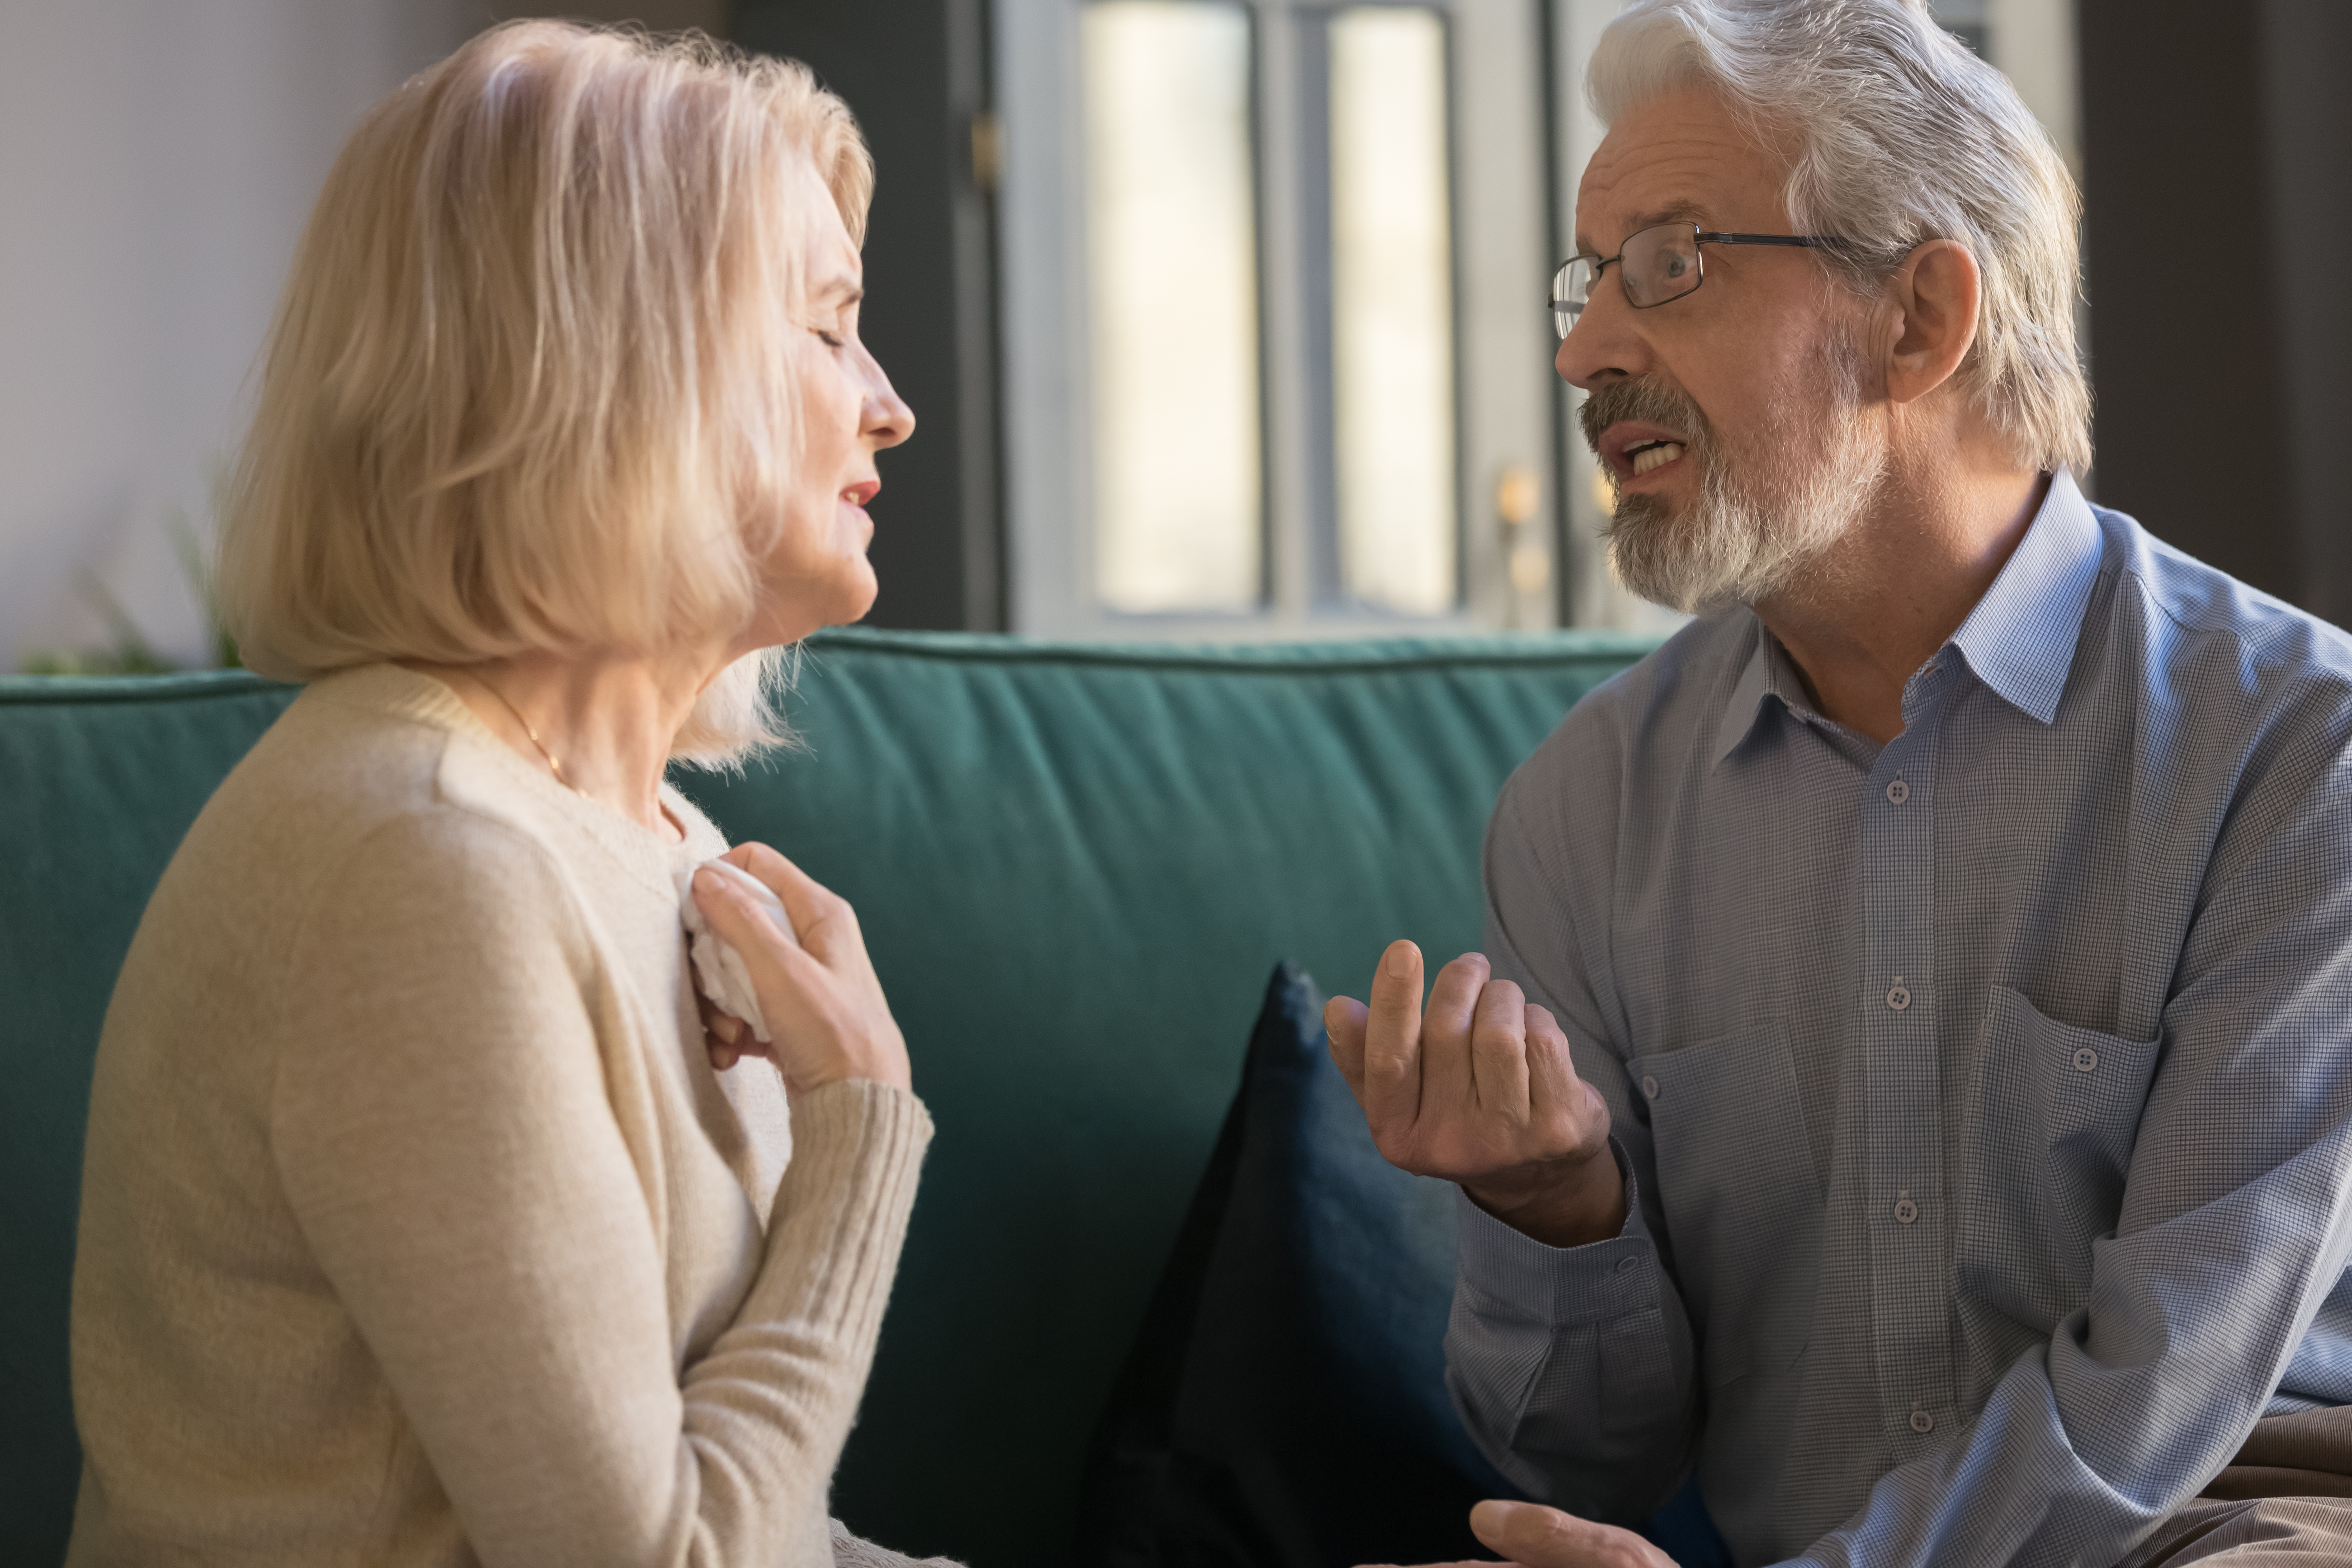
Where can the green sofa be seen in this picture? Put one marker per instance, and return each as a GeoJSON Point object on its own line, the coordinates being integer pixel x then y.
{"type": "Point", "coordinates": [1076, 866]}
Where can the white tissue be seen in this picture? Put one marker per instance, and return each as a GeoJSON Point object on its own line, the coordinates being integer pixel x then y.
{"type": "Point", "coordinates": [718, 966]}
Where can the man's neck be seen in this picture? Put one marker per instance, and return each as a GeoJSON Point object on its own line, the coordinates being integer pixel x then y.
{"type": "Point", "coordinates": [1900, 584]}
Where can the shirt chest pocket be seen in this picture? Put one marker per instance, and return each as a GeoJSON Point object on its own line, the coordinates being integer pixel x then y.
{"type": "Point", "coordinates": [2046, 1136]}
{"type": "Point", "coordinates": [1742, 1199]}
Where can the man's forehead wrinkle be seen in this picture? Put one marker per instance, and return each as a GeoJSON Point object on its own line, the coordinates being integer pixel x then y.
{"type": "Point", "coordinates": [1689, 145]}
{"type": "Point", "coordinates": [1693, 175]}
{"type": "Point", "coordinates": [1679, 211]}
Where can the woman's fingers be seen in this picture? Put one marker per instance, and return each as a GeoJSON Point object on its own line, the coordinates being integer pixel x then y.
{"type": "Point", "coordinates": [720, 1031]}
{"type": "Point", "coordinates": [825, 1009]}
{"type": "Point", "coordinates": [821, 919]}
{"type": "Point", "coordinates": [729, 1038]}
{"type": "Point", "coordinates": [747, 928]}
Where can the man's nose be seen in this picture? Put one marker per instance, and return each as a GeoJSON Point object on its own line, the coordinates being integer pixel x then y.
{"type": "Point", "coordinates": [1604, 345]}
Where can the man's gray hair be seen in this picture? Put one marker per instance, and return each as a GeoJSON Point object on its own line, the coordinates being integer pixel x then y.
{"type": "Point", "coordinates": [1900, 136]}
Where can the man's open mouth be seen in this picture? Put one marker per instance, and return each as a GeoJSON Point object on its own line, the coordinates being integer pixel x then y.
{"type": "Point", "coordinates": [1644, 456]}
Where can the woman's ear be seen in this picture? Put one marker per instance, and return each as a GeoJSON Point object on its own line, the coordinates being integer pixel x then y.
{"type": "Point", "coordinates": [1935, 295]}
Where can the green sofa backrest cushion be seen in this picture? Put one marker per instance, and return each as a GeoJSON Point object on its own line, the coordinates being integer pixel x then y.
{"type": "Point", "coordinates": [1074, 867]}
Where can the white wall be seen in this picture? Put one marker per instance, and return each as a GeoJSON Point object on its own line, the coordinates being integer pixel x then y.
{"type": "Point", "coordinates": [157, 161]}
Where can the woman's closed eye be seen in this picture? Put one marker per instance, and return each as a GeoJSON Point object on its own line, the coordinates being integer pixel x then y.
{"type": "Point", "coordinates": [832, 340]}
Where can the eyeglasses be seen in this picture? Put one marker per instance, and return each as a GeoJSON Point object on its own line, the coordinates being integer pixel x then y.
{"type": "Point", "coordinates": [1656, 265]}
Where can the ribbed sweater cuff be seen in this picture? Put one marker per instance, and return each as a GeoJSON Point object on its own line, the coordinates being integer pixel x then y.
{"type": "Point", "coordinates": [841, 1212]}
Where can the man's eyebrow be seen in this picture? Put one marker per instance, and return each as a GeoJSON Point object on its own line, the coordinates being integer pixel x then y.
{"type": "Point", "coordinates": [1673, 212]}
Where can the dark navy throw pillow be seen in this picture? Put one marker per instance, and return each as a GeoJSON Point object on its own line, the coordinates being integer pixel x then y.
{"type": "Point", "coordinates": [1285, 1405]}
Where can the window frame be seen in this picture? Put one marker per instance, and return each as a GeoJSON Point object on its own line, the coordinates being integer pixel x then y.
{"type": "Point", "coordinates": [1503, 336]}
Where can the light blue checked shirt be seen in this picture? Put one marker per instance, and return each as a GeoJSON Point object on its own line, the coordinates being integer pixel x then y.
{"type": "Point", "coordinates": [1985, 1099]}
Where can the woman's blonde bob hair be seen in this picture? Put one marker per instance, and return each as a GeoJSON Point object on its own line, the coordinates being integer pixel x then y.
{"type": "Point", "coordinates": [528, 389]}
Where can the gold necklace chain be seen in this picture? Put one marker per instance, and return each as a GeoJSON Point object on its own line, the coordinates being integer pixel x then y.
{"type": "Point", "coordinates": [552, 765]}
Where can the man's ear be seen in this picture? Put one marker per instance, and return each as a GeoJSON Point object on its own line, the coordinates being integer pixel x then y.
{"type": "Point", "coordinates": [1934, 295]}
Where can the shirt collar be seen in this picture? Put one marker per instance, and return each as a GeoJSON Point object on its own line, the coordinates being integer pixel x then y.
{"type": "Point", "coordinates": [1768, 676]}
{"type": "Point", "coordinates": [2020, 638]}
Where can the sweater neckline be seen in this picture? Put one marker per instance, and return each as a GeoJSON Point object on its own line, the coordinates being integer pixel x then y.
{"type": "Point", "coordinates": [422, 698]}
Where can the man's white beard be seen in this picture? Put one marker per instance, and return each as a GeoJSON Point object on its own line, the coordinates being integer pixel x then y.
{"type": "Point", "coordinates": [1765, 515]}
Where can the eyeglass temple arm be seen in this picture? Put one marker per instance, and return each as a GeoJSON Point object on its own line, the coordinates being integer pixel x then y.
{"type": "Point", "coordinates": [1808, 241]}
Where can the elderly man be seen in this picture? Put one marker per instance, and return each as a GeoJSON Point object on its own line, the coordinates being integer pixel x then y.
{"type": "Point", "coordinates": [1907, 1083]}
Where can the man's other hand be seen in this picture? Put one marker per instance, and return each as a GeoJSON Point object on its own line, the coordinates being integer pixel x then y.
{"type": "Point", "coordinates": [1533, 1536]}
{"type": "Point", "coordinates": [1480, 1090]}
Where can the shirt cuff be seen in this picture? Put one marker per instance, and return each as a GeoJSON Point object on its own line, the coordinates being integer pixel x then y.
{"type": "Point", "coordinates": [1567, 1285]}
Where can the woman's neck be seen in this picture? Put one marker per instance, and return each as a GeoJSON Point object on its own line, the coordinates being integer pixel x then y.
{"type": "Point", "coordinates": [603, 726]}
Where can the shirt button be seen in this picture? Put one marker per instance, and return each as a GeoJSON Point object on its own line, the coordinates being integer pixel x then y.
{"type": "Point", "coordinates": [1898, 792]}
{"type": "Point", "coordinates": [1898, 998]}
{"type": "Point", "coordinates": [1921, 1422]}
{"type": "Point", "coordinates": [1649, 1088]}
{"type": "Point", "coordinates": [1625, 1265]}
{"type": "Point", "coordinates": [1905, 1211]}
{"type": "Point", "coordinates": [2085, 1059]}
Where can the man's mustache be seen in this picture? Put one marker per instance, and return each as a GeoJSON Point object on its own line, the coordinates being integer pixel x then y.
{"type": "Point", "coordinates": [1651, 402]}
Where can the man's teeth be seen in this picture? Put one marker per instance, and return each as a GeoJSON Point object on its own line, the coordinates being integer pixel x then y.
{"type": "Point", "coordinates": [1649, 458]}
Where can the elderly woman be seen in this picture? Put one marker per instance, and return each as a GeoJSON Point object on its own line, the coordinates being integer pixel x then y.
{"type": "Point", "coordinates": [424, 1220]}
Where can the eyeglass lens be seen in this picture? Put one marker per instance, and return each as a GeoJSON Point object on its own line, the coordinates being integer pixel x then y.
{"type": "Point", "coordinates": [1656, 265]}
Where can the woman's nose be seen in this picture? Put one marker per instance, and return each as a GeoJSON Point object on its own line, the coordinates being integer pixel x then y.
{"type": "Point", "coordinates": [887, 418]}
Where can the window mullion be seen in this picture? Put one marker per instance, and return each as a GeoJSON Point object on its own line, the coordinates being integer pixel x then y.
{"type": "Point", "coordinates": [1283, 323]}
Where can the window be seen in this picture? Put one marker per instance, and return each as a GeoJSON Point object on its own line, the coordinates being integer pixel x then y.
{"type": "Point", "coordinates": [1258, 382]}
{"type": "Point", "coordinates": [1391, 310]}
{"type": "Point", "coordinates": [1171, 264]}
{"type": "Point", "coordinates": [1275, 359]}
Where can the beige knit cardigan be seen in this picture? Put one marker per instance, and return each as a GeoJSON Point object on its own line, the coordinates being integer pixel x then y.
{"type": "Point", "coordinates": [415, 1226]}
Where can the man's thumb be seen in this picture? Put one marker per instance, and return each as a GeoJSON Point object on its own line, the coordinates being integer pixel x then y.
{"type": "Point", "coordinates": [1525, 1533]}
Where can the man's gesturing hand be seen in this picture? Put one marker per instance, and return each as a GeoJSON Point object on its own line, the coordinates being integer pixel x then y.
{"type": "Point", "coordinates": [1480, 1090]}
{"type": "Point", "coordinates": [1533, 1536]}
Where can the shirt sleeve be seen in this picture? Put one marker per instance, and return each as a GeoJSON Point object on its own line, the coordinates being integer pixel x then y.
{"type": "Point", "coordinates": [442, 1130]}
{"type": "Point", "coordinates": [1571, 1367]}
{"type": "Point", "coordinates": [2235, 1224]}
